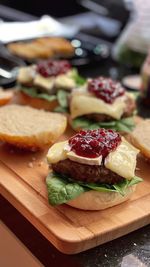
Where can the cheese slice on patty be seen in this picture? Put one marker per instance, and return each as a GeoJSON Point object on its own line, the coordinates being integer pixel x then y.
{"type": "Point", "coordinates": [26, 75]}
{"type": "Point", "coordinates": [84, 160]}
{"type": "Point", "coordinates": [65, 81]}
{"type": "Point", "coordinates": [84, 103]}
{"type": "Point", "coordinates": [60, 151]}
{"type": "Point", "coordinates": [57, 152]}
{"type": "Point", "coordinates": [123, 160]}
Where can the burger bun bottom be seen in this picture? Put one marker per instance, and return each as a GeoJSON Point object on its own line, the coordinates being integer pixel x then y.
{"type": "Point", "coordinates": [36, 102]}
{"type": "Point", "coordinates": [94, 200]}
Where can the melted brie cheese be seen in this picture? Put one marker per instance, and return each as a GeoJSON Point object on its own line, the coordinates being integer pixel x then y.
{"type": "Point", "coordinates": [26, 75]}
{"type": "Point", "coordinates": [83, 103]}
{"type": "Point", "coordinates": [84, 160]}
{"type": "Point", "coordinates": [123, 160]}
{"type": "Point", "coordinates": [61, 151]}
{"type": "Point", "coordinates": [65, 81]}
{"type": "Point", "coordinates": [57, 152]}
{"type": "Point", "coordinates": [45, 83]}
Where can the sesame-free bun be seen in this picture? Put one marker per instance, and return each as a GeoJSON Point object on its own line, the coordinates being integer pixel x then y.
{"type": "Point", "coordinates": [30, 128]}
{"type": "Point", "coordinates": [94, 200]}
{"type": "Point", "coordinates": [37, 102]}
{"type": "Point", "coordinates": [140, 137]}
{"type": "Point", "coordinates": [5, 96]}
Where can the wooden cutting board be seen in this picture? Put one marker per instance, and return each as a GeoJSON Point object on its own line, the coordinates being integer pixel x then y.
{"type": "Point", "coordinates": [22, 182]}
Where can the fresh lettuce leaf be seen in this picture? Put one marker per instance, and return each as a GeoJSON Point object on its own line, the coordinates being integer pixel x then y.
{"type": "Point", "coordinates": [122, 125]}
{"type": "Point", "coordinates": [119, 187]}
{"type": "Point", "coordinates": [33, 93]}
{"type": "Point", "coordinates": [77, 78]}
{"type": "Point", "coordinates": [62, 189]}
{"type": "Point", "coordinates": [60, 109]}
{"type": "Point", "coordinates": [62, 97]}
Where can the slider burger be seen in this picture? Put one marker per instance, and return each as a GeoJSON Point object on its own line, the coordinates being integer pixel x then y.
{"type": "Point", "coordinates": [48, 83]}
{"type": "Point", "coordinates": [93, 170]}
{"type": "Point", "coordinates": [102, 103]}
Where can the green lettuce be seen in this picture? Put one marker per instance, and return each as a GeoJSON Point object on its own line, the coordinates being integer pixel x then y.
{"type": "Point", "coordinates": [61, 189]}
{"type": "Point", "coordinates": [79, 80]}
{"type": "Point", "coordinates": [122, 125]}
{"type": "Point", "coordinates": [34, 93]}
{"type": "Point", "coordinates": [62, 98]}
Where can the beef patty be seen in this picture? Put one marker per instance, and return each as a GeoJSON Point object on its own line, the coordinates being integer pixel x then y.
{"type": "Point", "coordinates": [130, 107]}
{"type": "Point", "coordinates": [86, 173]}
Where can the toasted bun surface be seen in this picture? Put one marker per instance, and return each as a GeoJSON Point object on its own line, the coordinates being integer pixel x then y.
{"type": "Point", "coordinates": [30, 128]}
{"type": "Point", "coordinates": [140, 137]}
{"type": "Point", "coordinates": [5, 97]}
{"type": "Point", "coordinates": [94, 200]}
{"type": "Point", "coordinates": [37, 102]}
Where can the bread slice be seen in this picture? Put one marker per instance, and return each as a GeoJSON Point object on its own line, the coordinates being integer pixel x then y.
{"type": "Point", "coordinates": [5, 96]}
{"type": "Point", "coordinates": [30, 128]}
{"type": "Point", "coordinates": [140, 137]}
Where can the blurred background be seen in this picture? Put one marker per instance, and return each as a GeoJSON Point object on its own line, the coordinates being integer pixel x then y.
{"type": "Point", "coordinates": [115, 33]}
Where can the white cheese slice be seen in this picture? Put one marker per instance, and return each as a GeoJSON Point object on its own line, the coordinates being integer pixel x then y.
{"type": "Point", "coordinates": [123, 160]}
{"type": "Point", "coordinates": [85, 103]}
{"type": "Point", "coordinates": [57, 153]}
{"type": "Point", "coordinates": [61, 151]}
{"type": "Point", "coordinates": [46, 83]}
{"type": "Point", "coordinates": [64, 81]}
{"type": "Point", "coordinates": [84, 160]}
{"type": "Point", "coordinates": [26, 75]}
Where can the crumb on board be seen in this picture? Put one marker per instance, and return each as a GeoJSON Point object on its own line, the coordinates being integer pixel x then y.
{"type": "Point", "coordinates": [33, 158]}
{"type": "Point", "coordinates": [40, 163]}
{"type": "Point", "coordinates": [30, 165]}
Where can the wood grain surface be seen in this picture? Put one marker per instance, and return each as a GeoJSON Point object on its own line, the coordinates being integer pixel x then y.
{"type": "Point", "coordinates": [22, 182]}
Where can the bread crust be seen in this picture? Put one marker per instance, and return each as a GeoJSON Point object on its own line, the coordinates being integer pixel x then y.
{"type": "Point", "coordinates": [94, 200]}
{"type": "Point", "coordinates": [5, 97]}
{"type": "Point", "coordinates": [140, 137]}
{"type": "Point", "coordinates": [29, 128]}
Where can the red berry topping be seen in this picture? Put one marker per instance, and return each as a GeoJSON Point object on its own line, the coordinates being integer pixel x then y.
{"type": "Point", "coordinates": [106, 89]}
{"type": "Point", "coordinates": [93, 143]}
{"type": "Point", "coordinates": [53, 67]}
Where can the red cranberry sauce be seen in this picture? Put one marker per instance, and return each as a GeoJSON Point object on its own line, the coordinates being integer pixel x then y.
{"type": "Point", "coordinates": [106, 89]}
{"type": "Point", "coordinates": [93, 143]}
{"type": "Point", "coordinates": [53, 67]}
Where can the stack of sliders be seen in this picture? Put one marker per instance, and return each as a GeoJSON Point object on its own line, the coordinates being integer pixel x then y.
{"type": "Point", "coordinates": [104, 103]}
{"type": "Point", "coordinates": [30, 128]}
{"type": "Point", "coordinates": [93, 170]}
{"type": "Point", "coordinates": [48, 83]}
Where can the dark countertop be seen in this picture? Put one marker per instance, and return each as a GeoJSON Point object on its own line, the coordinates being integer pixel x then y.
{"type": "Point", "coordinates": [131, 250]}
